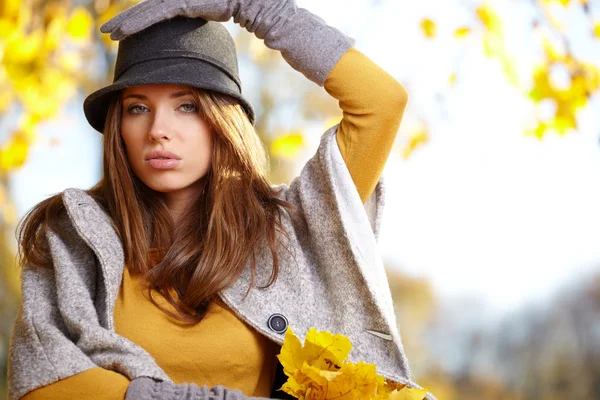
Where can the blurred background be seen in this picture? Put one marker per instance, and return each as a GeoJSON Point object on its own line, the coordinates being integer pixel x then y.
{"type": "Point", "coordinates": [492, 222]}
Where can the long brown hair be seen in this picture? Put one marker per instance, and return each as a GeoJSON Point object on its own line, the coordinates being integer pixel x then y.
{"type": "Point", "coordinates": [237, 212]}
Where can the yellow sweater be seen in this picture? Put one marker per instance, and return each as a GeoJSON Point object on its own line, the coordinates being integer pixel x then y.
{"type": "Point", "coordinates": [222, 349]}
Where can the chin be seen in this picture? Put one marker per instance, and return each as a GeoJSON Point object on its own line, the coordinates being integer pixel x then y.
{"type": "Point", "coordinates": [166, 187]}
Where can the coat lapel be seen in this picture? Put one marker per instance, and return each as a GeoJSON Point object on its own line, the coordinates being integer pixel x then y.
{"type": "Point", "coordinates": [95, 228]}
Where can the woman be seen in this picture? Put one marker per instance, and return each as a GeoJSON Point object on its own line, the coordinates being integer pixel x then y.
{"type": "Point", "coordinates": [178, 274]}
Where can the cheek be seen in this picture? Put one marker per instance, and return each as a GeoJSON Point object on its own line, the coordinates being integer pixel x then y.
{"type": "Point", "coordinates": [202, 142]}
{"type": "Point", "coordinates": [133, 149]}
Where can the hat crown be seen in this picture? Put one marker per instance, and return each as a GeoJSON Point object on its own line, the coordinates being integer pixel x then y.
{"type": "Point", "coordinates": [177, 37]}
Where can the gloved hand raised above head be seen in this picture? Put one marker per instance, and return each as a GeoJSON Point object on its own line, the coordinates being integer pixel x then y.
{"type": "Point", "coordinates": [306, 42]}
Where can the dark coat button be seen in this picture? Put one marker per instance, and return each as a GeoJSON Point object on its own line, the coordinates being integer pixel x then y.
{"type": "Point", "coordinates": [277, 323]}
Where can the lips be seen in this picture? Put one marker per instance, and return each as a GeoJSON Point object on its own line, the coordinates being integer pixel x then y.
{"type": "Point", "coordinates": [162, 154]}
{"type": "Point", "coordinates": [162, 159]}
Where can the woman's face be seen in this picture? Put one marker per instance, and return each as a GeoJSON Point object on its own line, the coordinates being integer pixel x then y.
{"type": "Point", "coordinates": [168, 144]}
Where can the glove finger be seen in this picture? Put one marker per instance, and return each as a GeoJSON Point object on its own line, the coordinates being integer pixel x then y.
{"type": "Point", "coordinates": [113, 23]}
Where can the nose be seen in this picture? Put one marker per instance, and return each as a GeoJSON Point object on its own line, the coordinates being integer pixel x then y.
{"type": "Point", "coordinates": [159, 130]}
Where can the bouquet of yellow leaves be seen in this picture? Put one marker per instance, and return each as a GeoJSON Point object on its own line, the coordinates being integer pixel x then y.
{"type": "Point", "coordinates": [319, 370]}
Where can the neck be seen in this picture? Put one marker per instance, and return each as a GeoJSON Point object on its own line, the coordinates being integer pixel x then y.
{"type": "Point", "coordinates": [179, 200]}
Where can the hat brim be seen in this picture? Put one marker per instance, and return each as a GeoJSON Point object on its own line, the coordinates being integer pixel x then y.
{"type": "Point", "coordinates": [180, 71]}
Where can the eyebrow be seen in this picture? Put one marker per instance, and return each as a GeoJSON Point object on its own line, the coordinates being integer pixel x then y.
{"type": "Point", "coordinates": [143, 97]}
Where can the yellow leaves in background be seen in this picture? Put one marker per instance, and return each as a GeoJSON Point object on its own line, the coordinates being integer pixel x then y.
{"type": "Point", "coordinates": [14, 153]}
{"type": "Point", "coordinates": [494, 45]}
{"type": "Point", "coordinates": [488, 17]}
{"type": "Point", "coordinates": [462, 32]}
{"type": "Point", "coordinates": [320, 370]}
{"type": "Point", "coordinates": [583, 81]}
{"type": "Point", "coordinates": [452, 79]}
{"type": "Point", "coordinates": [40, 66]}
{"type": "Point", "coordinates": [428, 27]}
{"type": "Point", "coordinates": [596, 30]}
{"type": "Point", "coordinates": [287, 145]}
{"type": "Point", "coordinates": [21, 47]}
{"type": "Point", "coordinates": [416, 139]}
{"type": "Point", "coordinates": [80, 24]}
{"type": "Point", "coordinates": [564, 3]}
{"type": "Point", "coordinates": [9, 8]}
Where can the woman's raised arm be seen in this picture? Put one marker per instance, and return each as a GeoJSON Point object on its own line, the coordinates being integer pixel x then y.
{"type": "Point", "coordinates": [372, 101]}
{"type": "Point", "coordinates": [373, 104]}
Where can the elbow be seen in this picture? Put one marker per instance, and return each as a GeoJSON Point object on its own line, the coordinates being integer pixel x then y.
{"type": "Point", "coordinates": [393, 99]}
{"type": "Point", "coordinates": [398, 96]}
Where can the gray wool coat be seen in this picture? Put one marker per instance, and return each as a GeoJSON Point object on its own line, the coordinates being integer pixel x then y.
{"type": "Point", "coordinates": [333, 279]}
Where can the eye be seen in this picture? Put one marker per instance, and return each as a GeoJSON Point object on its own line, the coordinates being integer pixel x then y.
{"type": "Point", "coordinates": [189, 107]}
{"type": "Point", "coordinates": [135, 109]}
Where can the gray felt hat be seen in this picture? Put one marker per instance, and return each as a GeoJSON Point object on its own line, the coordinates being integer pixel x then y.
{"type": "Point", "coordinates": [180, 50]}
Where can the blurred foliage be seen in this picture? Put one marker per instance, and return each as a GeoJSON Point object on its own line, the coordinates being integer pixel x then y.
{"type": "Point", "coordinates": [541, 352]}
{"type": "Point", "coordinates": [52, 50]}
{"type": "Point", "coordinates": [555, 41]}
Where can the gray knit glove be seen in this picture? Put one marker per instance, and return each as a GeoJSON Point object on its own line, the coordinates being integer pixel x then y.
{"type": "Point", "coordinates": [145, 388]}
{"type": "Point", "coordinates": [306, 42]}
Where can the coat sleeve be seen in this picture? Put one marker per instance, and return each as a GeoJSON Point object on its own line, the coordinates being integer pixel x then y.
{"type": "Point", "coordinates": [40, 350]}
{"type": "Point", "coordinates": [57, 332]}
{"type": "Point", "coordinates": [334, 220]}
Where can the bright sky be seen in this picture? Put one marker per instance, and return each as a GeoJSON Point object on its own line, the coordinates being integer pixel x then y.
{"type": "Point", "coordinates": [482, 211]}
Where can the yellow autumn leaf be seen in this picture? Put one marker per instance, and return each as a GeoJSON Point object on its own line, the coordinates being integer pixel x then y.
{"type": "Point", "coordinates": [415, 140]}
{"type": "Point", "coordinates": [462, 32]}
{"type": "Point", "coordinates": [597, 30]}
{"type": "Point", "coordinates": [307, 382]}
{"type": "Point", "coordinates": [80, 23]}
{"type": "Point", "coordinates": [290, 356]}
{"type": "Point", "coordinates": [385, 388]}
{"type": "Point", "coordinates": [7, 28]}
{"type": "Point", "coordinates": [552, 53]}
{"type": "Point", "coordinates": [489, 18]}
{"type": "Point", "coordinates": [541, 84]}
{"type": "Point", "coordinates": [428, 27]}
{"type": "Point", "coordinates": [311, 379]}
{"type": "Point", "coordinates": [287, 145]}
{"type": "Point", "coordinates": [452, 79]}
{"type": "Point", "coordinates": [10, 8]}
{"type": "Point", "coordinates": [355, 381]}
{"type": "Point", "coordinates": [408, 394]}
{"type": "Point", "coordinates": [562, 124]}
{"type": "Point", "coordinates": [325, 350]}
{"type": "Point", "coordinates": [22, 47]}
{"type": "Point", "coordinates": [293, 387]}
{"type": "Point", "coordinates": [14, 153]}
